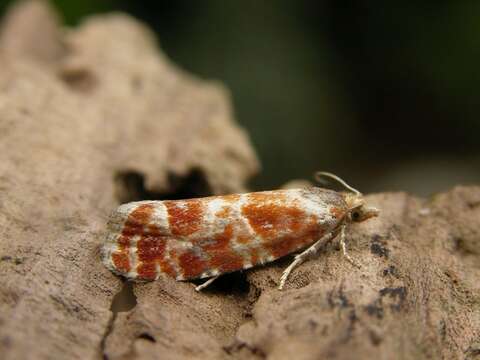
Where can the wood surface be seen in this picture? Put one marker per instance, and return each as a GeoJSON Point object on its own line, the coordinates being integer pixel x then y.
{"type": "Point", "coordinates": [97, 115]}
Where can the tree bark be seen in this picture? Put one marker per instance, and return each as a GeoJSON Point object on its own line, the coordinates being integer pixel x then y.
{"type": "Point", "coordinates": [100, 116]}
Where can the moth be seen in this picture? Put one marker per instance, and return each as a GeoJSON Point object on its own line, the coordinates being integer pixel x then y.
{"type": "Point", "coordinates": [210, 236]}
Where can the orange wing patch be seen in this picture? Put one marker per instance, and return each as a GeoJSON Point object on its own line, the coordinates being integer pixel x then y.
{"type": "Point", "coordinates": [184, 217]}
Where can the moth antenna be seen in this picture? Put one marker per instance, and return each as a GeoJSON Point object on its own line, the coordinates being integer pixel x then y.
{"type": "Point", "coordinates": [321, 175]}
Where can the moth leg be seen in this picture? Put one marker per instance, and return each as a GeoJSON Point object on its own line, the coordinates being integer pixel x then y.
{"type": "Point", "coordinates": [300, 258]}
{"type": "Point", "coordinates": [344, 249]}
{"type": "Point", "coordinates": [206, 283]}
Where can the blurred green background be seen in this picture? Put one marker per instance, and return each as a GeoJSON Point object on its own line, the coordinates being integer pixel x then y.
{"type": "Point", "coordinates": [383, 93]}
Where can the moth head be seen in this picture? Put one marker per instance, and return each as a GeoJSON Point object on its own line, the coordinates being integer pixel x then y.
{"type": "Point", "coordinates": [357, 210]}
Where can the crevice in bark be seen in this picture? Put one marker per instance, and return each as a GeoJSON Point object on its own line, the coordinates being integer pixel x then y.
{"type": "Point", "coordinates": [234, 283]}
{"type": "Point", "coordinates": [125, 300]}
{"type": "Point", "coordinates": [131, 187]}
{"type": "Point", "coordinates": [240, 346]}
{"type": "Point", "coordinates": [147, 337]}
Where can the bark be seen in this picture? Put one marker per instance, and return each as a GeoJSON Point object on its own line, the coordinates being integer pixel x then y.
{"type": "Point", "coordinates": [99, 116]}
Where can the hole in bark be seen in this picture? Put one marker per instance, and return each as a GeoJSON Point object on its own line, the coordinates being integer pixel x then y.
{"type": "Point", "coordinates": [79, 79]}
{"type": "Point", "coordinates": [146, 336]}
{"type": "Point", "coordinates": [124, 300]}
{"type": "Point", "coordinates": [131, 187]}
{"type": "Point", "coordinates": [232, 283]}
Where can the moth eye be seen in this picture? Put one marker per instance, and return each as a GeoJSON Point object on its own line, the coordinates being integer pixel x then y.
{"type": "Point", "coordinates": [355, 215]}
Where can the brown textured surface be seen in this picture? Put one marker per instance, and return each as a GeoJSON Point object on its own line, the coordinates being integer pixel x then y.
{"type": "Point", "coordinates": [81, 123]}
{"type": "Point", "coordinates": [84, 114]}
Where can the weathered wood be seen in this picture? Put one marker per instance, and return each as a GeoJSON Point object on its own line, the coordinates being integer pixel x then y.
{"type": "Point", "coordinates": [102, 117]}
{"type": "Point", "coordinates": [78, 134]}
